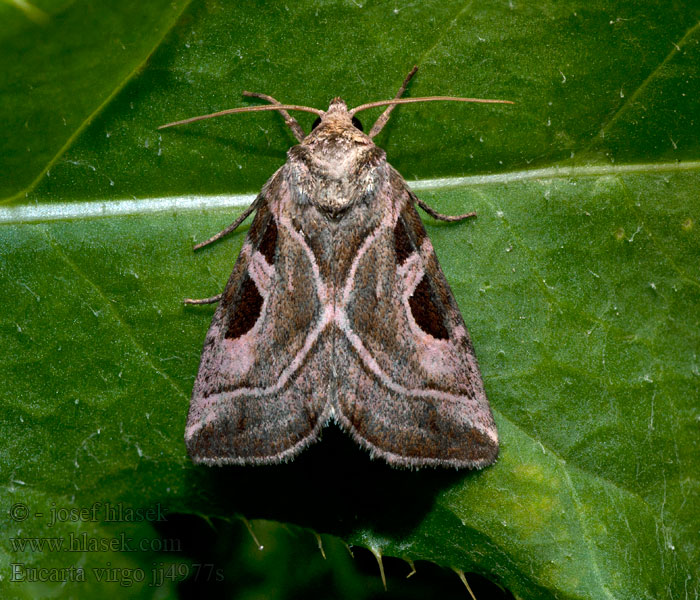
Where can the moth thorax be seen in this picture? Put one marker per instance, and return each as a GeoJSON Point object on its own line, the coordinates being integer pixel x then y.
{"type": "Point", "coordinates": [335, 196]}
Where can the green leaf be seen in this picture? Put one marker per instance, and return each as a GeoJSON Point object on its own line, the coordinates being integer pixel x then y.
{"type": "Point", "coordinates": [579, 281]}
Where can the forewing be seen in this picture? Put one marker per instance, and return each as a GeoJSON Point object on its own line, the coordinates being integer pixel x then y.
{"type": "Point", "coordinates": [255, 399]}
{"type": "Point", "coordinates": [410, 389]}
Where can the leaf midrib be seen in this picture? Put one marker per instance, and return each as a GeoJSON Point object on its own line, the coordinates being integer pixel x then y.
{"type": "Point", "coordinates": [27, 213]}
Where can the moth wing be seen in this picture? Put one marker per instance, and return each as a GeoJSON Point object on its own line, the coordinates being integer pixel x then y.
{"type": "Point", "coordinates": [410, 389]}
{"type": "Point", "coordinates": [254, 402]}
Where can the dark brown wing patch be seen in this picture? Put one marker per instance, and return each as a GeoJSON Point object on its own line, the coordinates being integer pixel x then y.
{"type": "Point", "coordinates": [268, 244]}
{"type": "Point", "coordinates": [402, 243]}
{"type": "Point", "coordinates": [426, 312]}
{"type": "Point", "coordinates": [245, 299]}
{"type": "Point", "coordinates": [247, 310]}
{"type": "Point", "coordinates": [409, 234]}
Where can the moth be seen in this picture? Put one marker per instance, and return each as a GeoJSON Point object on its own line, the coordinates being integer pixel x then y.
{"type": "Point", "coordinates": [337, 309]}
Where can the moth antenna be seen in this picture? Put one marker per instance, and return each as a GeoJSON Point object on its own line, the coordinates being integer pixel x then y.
{"type": "Point", "coordinates": [210, 300]}
{"type": "Point", "coordinates": [291, 122]}
{"type": "Point", "coordinates": [384, 117]}
{"type": "Point", "coordinates": [230, 111]}
{"type": "Point", "coordinates": [439, 216]}
{"type": "Point", "coordinates": [357, 109]}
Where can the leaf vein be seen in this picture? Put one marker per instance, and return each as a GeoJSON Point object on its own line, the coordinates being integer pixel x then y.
{"type": "Point", "coordinates": [632, 99]}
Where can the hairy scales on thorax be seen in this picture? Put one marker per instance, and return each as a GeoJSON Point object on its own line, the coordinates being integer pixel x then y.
{"type": "Point", "coordinates": [336, 166]}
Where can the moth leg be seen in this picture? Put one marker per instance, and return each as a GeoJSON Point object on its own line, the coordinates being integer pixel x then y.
{"type": "Point", "coordinates": [230, 228]}
{"type": "Point", "coordinates": [384, 117]}
{"type": "Point", "coordinates": [439, 216]}
{"type": "Point", "coordinates": [211, 300]}
{"type": "Point", "coordinates": [291, 122]}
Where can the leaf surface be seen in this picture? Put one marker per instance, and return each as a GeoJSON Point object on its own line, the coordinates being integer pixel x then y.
{"type": "Point", "coordinates": [579, 281]}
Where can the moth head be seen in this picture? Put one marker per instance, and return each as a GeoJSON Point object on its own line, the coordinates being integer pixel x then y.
{"type": "Point", "coordinates": [337, 119]}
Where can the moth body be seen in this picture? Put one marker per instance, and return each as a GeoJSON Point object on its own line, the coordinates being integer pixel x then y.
{"type": "Point", "coordinates": [337, 308]}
